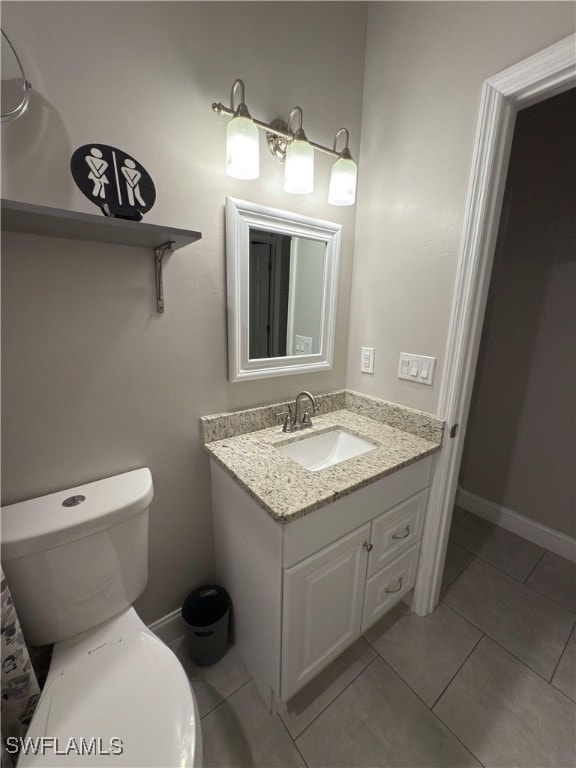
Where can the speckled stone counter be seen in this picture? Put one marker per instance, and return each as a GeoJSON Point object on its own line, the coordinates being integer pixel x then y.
{"type": "Point", "coordinates": [287, 490]}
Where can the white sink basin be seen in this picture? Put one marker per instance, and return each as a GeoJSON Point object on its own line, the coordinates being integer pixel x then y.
{"type": "Point", "coordinates": [325, 450]}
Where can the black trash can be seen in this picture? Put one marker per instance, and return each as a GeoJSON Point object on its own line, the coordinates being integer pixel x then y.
{"type": "Point", "coordinates": [206, 614]}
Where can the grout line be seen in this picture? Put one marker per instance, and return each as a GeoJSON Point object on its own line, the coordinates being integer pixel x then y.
{"type": "Point", "coordinates": [292, 739]}
{"type": "Point", "coordinates": [223, 699]}
{"type": "Point", "coordinates": [338, 696]}
{"type": "Point", "coordinates": [524, 664]}
{"type": "Point", "coordinates": [458, 574]}
{"type": "Point", "coordinates": [432, 711]}
{"type": "Point", "coordinates": [536, 566]}
{"type": "Point", "coordinates": [458, 544]}
{"type": "Point", "coordinates": [560, 659]}
{"type": "Point", "coordinates": [528, 586]}
{"type": "Point", "coordinates": [449, 683]}
{"type": "Point", "coordinates": [550, 599]}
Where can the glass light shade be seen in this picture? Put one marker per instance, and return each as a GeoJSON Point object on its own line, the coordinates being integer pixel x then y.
{"type": "Point", "coordinates": [343, 182]}
{"type": "Point", "coordinates": [299, 172]}
{"type": "Point", "coordinates": [242, 149]}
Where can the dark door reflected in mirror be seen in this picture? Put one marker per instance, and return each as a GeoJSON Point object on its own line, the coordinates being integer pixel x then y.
{"type": "Point", "coordinates": [286, 294]}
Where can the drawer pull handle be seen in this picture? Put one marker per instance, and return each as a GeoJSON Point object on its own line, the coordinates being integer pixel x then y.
{"type": "Point", "coordinates": [389, 590]}
{"type": "Point", "coordinates": [402, 535]}
{"type": "Point", "coordinates": [368, 547]}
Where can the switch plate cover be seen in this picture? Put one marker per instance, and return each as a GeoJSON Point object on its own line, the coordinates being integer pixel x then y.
{"type": "Point", "coordinates": [418, 368]}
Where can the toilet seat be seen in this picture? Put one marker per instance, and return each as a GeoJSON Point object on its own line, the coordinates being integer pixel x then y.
{"type": "Point", "coordinates": [127, 687]}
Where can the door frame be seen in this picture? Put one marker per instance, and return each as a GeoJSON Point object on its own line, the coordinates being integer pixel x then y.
{"type": "Point", "coordinates": [538, 77]}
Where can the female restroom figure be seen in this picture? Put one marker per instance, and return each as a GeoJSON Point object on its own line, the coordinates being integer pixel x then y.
{"type": "Point", "coordinates": [97, 167]}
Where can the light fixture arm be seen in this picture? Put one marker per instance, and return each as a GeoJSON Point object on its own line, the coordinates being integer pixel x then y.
{"type": "Point", "coordinates": [283, 132]}
{"type": "Point", "coordinates": [298, 134]}
{"type": "Point", "coordinates": [345, 153]}
{"type": "Point", "coordinates": [237, 84]}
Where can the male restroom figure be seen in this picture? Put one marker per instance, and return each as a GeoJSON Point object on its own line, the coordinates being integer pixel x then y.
{"type": "Point", "coordinates": [97, 167]}
{"type": "Point", "coordinates": [132, 177]}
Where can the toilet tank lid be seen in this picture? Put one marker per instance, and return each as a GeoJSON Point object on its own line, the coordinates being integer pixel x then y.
{"type": "Point", "coordinates": [45, 522]}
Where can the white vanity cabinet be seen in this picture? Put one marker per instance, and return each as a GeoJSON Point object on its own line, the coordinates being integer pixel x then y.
{"type": "Point", "coordinates": [303, 591]}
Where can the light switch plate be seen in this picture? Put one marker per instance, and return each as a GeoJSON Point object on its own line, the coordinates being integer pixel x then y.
{"type": "Point", "coordinates": [303, 344]}
{"type": "Point", "coordinates": [418, 368]}
{"type": "Point", "coordinates": [367, 360]}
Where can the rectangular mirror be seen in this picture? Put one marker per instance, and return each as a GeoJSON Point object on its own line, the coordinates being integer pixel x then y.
{"type": "Point", "coordinates": [282, 281]}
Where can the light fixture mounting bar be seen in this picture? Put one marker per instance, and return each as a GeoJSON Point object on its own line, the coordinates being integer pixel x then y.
{"type": "Point", "coordinates": [220, 109]}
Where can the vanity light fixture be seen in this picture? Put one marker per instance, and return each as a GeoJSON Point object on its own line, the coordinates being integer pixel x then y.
{"type": "Point", "coordinates": [299, 171]}
{"type": "Point", "coordinates": [343, 177]}
{"type": "Point", "coordinates": [242, 145]}
{"type": "Point", "coordinates": [286, 145]}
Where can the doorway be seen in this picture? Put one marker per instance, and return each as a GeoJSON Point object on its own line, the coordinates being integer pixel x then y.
{"type": "Point", "coordinates": [541, 76]}
{"type": "Point", "coordinates": [519, 454]}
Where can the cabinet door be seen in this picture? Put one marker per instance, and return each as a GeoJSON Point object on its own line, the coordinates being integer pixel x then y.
{"type": "Point", "coordinates": [323, 598]}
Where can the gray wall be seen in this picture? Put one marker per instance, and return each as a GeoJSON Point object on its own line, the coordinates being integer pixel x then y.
{"type": "Point", "coordinates": [425, 66]}
{"type": "Point", "coordinates": [520, 447]}
{"type": "Point", "coordinates": [95, 382]}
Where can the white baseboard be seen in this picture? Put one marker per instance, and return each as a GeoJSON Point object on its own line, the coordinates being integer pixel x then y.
{"type": "Point", "coordinates": [169, 627]}
{"type": "Point", "coordinates": [556, 542]}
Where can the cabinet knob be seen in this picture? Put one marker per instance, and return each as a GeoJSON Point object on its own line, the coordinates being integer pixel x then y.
{"type": "Point", "coordinates": [402, 535]}
{"type": "Point", "coordinates": [367, 546]}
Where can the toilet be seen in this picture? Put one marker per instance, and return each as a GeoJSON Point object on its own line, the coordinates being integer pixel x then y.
{"type": "Point", "coordinates": [115, 694]}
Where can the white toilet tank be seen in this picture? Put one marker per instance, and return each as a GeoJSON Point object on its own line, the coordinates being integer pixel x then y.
{"type": "Point", "coordinates": [75, 558]}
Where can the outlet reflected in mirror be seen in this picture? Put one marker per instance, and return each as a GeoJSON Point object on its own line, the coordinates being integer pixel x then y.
{"type": "Point", "coordinates": [282, 283]}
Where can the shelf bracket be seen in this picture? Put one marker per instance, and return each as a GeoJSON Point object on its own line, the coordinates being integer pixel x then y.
{"type": "Point", "coordinates": [159, 253]}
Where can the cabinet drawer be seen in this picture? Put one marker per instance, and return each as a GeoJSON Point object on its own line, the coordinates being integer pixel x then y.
{"type": "Point", "coordinates": [389, 585]}
{"type": "Point", "coordinates": [396, 531]}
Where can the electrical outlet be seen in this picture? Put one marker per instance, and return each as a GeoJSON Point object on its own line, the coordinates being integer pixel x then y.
{"type": "Point", "coordinates": [367, 360]}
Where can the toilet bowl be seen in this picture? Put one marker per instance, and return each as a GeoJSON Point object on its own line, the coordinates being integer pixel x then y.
{"type": "Point", "coordinates": [115, 695]}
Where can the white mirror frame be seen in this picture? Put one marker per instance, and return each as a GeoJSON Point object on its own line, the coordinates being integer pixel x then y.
{"type": "Point", "coordinates": [241, 216]}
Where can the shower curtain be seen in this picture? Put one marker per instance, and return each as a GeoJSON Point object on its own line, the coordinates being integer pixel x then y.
{"type": "Point", "coordinates": [20, 689]}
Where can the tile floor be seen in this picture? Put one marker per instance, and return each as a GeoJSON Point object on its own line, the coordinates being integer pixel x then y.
{"type": "Point", "coordinates": [489, 679]}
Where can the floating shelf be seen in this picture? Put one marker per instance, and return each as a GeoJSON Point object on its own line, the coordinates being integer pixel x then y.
{"type": "Point", "coordinates": [55, 222]}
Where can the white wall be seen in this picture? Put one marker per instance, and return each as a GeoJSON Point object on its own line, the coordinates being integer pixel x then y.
{"type": "Point", "coordinates": [95, 382]}
{"type": "Point", "coordinates": [425, 66]}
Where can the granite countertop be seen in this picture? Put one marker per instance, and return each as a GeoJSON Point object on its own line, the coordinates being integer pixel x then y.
{"type": "Point", "coordinates": [287, 490]}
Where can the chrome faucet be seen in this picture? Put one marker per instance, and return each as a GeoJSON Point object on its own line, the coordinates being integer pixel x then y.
{"type": "Point", "coordinates": [294, 420]}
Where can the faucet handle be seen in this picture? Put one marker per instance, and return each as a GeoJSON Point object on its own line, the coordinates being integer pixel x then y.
{"type": "Point", "coordinates": [287, 416]}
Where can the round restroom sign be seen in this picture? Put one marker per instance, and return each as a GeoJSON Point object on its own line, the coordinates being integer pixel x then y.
{"type": "Point", "coordinates": [113, 180]}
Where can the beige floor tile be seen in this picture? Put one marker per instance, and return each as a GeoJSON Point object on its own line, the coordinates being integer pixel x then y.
{"type": "Point", "coordinates": [241, 731]}
{"type": "Point", "coordinates": [212, 684]}
{"type": "Point", "coordinates": [506, 551]}
{"type": "Point", "coordinates": [565, 676]}
{"type": "Point", "coordinates": [528, 625]}
{"type": "Point", "coordinates": [507, 715]}
{"type": "Point", "coordinates": [426, 651]}
{"type": "Point", "coordinates": [379, 721]}
{"type": "Point", "coordinates": [308, 703]}
{"type": "Point", "coordinates": [457, 559]}
{"type": "Point", "coordinates": [555, 577]}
